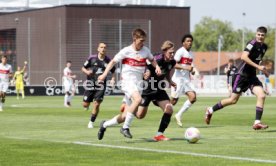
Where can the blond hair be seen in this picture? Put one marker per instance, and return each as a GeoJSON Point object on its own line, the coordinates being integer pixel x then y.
{"type": "Point", "coordinates": [167, 45]}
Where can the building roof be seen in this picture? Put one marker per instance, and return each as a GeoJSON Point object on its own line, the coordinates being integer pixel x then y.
{"type": "Point", "coordinates": [208, 61]}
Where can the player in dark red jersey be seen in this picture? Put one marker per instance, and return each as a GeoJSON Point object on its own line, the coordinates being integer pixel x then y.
{"type": "Point", "coordinates": [246, 78]}
{"type": "Point", "coordinates": [93, 67]}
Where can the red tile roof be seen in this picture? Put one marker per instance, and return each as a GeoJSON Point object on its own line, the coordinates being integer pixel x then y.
{"type": "Point", "coordinates": [208, 61]}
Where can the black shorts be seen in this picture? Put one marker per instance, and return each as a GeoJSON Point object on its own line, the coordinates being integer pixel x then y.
{"type": "Point", "coordinates": [96, 95]}
{"type": "Point", "coordinates": [160, 95]}
{"type": "Point", "coordinates": [242, 83]}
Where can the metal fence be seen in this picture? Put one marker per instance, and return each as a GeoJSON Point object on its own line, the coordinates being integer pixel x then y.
{"type": "Point", "coordinates": [48, 43]}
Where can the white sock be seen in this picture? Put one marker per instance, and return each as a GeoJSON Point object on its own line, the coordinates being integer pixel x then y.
{"type": "Point", "coordinates": [111, 122]}
{"type": "Point", "coordinates": [184, 108]}
{"type": "Point", "coordinates": [159, 133]}
{"type": "Point", "coordinates": [65, 99]}
{"type": "Point", "coordinates": [210, 109]}
{"type": "Point", "coordinates": [257, 121]}
{"type": "Point", "coordinates": [129, 118]}
{"type": "Point", "coordinates": [70, 98]}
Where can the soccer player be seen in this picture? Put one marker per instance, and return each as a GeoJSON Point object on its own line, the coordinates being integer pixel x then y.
{"type": "Point", "coordinates": [68, 84]}
{"type": "Point", "coordinates": [181, 76]}
{"type": "Point", "coordinates": [93, 67]}
{"type": "Point", "coordinates": [230, 72]}
{"type": "Point", "coordinates": [5, 74]}
{"type": "Point", "coordinates": [246, 78]}
{"type": "Point", "coordinates": [18, 79]}
{"type": "Point", "coordinates": [133, 59]}
{"type": "Point", "coordinates": [154, 91]}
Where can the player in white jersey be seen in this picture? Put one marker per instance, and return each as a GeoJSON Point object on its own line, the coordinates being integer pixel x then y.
{"type": "Point", "coordinates": [183, 69]}
{"type": "Point", "coordinates": [133, 60]}
{"type": "Point", "coordinates": [68, 84]}
{"type": "Point", "coordinates": [5, 75]}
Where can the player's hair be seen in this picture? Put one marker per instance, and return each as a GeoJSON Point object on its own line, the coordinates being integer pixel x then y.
{"type": "Point", "coordinates": [231, 61]}
{"type": "Point", "coordinates": [4, 56]}
{"type": "Point", "coordinates": [167, 45]}
{"type": "Point", "coordinates": [262, 29]}
{"type": "Point", "coordinates": [138, 33]}
{"type": "Point", "coordinates": [187, 36]}
{"type": "Point", "coordinates": [68, 61]}
{"type": "Point", "coordinates": [101, 43]}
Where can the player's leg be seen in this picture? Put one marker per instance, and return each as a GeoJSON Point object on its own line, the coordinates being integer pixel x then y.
{"type": "Point", "coordinates": [187, 104]}
{"type": "Point", "coordinates": [167, 108]}
{"type": "Point", "coordinates": [120, 118]}
{"type": "Point", "coordinates": [233, 99]}
{"type": "Point", "coordinates": [260, 94]}
{"type": "Point", "coordinates": [95, 111]}
{"type": "Point", "coordinates": [1, 104]}
{"type": "Point", "coordinates": [17, 88]}
{"type": "Point", "coordinates": [130, 113]}
{"type": "Point", "coordinates": [22, 90]}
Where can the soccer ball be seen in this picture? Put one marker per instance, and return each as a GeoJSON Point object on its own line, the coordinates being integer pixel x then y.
{"type": "Point", "coordinates": [192, 135]}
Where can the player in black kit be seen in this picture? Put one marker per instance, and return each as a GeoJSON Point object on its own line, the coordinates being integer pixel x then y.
{"type": "Point", "coordinates": [246, 78]}
{"type": "Point", "coordinates": [153, 91]}
{"type": "Point", "coordinates": [94, 90]}
{"type": "Point", "coordinates": [230, 72]}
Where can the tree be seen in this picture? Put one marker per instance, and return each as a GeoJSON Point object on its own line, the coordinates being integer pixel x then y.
{"type": "Point", "coordinates": [208, 30]}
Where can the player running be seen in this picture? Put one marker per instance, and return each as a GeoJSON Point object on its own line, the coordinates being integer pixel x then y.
{"type": "Point", "coordinates": [5, 75]}
{"type": "Point", "coordinates": [133, 59]}
{"type": "Point", "coordinates": [246, 79]}
{"type": "Point", "coordinates": [154, 92]}
{"type": "Point", "coordinates": [183, 69]}
{"type": "Point", "coordinates": [93, 67]}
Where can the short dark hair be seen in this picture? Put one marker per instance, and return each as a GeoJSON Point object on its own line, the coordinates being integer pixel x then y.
{"type": "Point", "coordinates": [4, 56]}
{"type": "Point", "coordinates": [186, 36]}
{"type": "Point", "coordinates": [68, 61]}
{"type": "Point", "coordinates": [262, 29]}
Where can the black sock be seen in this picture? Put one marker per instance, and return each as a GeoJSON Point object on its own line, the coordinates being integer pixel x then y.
{"type": "Point", "coordinates": [259, 113]}
{"type": "Point", "coordinates": [93, 117]}
{"type": "Point", "coordinates": [218, 106]}
{"type": "Point", "coordinates": [165, 121]}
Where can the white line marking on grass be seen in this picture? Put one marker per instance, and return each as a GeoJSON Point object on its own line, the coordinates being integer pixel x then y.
{"type": "Point", "coordinates": [154, 150]}
{"type": "Point", "coordinates": [177, 152]}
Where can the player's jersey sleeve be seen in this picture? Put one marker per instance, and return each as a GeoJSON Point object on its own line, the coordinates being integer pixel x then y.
{"type": "Point", "coordinates": [120, 55]}
{"type": "Point", "coordinates": [87, 63]}
{"type": "Point", "coordinates": [178, 55]}
{"type": "Point", "coordinates": [150, 56]}
{"type": "Point", "coordinates": [250, 46]}
{"type": "Point", "coordinates": [65, 72]}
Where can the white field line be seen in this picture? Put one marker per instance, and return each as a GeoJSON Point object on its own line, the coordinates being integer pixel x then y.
{"type": "Point", "coordinates": [154, 150]}
{"type": "Point", "coordinates": [177, 152]}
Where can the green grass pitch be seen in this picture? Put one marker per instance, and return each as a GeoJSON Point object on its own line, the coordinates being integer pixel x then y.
{"type": "Point", "coordinates": [40, 131]}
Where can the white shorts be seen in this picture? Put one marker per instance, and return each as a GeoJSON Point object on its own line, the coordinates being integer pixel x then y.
{"type": "Point", "coordinates": [182, 87]}
{"type": "Point", "coordinates": [129, 87]}
{"type": "Point", "coordinates": [68, 86]}
{"type": "Point", "coordinates": [4, 86]}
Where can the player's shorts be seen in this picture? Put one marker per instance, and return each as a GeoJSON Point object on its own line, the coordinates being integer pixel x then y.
{"type": "Point", "coordinates": [160, 95]}
{"type": "Point", "coordinates": [4, 86]}
{"type": "Point", "coordinates": [242, 83]}
{"type": "Point", "coordinates": [19, 85]}
{"type": "Point", "coordinates": [68, 86]}
{"type": "Point", "coordinates": [93, 95]}
{"type": "Point", "coordinates": [129, 87]}
{"type": "Point", "coordinates": [182, 87]}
